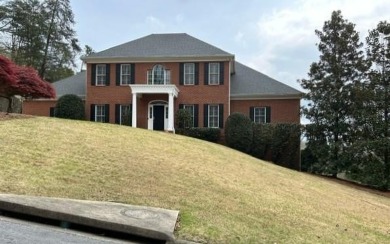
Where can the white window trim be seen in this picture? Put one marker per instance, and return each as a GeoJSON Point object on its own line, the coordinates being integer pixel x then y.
{"type": "Point", "coordinates": [103, 115]}
{"type": "Point", "coordinates": [129, 74]}
{"type": "Point", "coordinates": [193, 112]}
{"type": "Point", "coordinates": [209, 110]}
{"type": "Point", "coordinates": [218, 74]}
{"type": "Point", "coordinates": [187, 83]}
{"type": "Point", "coordinates": [97, 75]}
{"type": "Point", "coordinates": [259, 115]}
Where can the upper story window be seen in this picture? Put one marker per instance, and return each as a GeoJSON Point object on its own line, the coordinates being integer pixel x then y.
{"type": "Point", "coordinates": [159, 75]}
{"type": "Point", "coordinates": [101, 73]}
{"type": "Point", "coordinates": [213, 73]}
{"type": "Point", "coordinates": [189, 74]}
{"type": "Point", "coordinates": [125, 74]}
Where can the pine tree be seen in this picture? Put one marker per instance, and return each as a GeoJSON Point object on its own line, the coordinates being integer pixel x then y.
{"type": "Point", "coordinates": [330, 89]}
{"type": "Point", "coordinates": [374, 121]}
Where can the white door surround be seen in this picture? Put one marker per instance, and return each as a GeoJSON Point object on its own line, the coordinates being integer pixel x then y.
{"type": "Point", "coordinates": [151, 117]}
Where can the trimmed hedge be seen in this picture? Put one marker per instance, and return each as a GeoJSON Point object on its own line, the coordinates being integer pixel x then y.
{"type": "Point", "coordinates": [239, 132]}
{"type": "Point", "coordinates": [207, 134]}
{"type": "Point", "coordinates": [183, 119]}
{"type": "Point", "coordinates": [278, 143]}
{"type": "Point", "coordinates": [70, 106]}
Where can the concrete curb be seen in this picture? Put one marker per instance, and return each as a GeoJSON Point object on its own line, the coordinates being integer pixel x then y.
{"type": "Point", "coordinates": [147, 222]}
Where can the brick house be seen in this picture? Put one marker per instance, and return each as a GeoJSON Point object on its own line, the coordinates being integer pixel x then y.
{"type": "Point", "coordinates": [143, 82]}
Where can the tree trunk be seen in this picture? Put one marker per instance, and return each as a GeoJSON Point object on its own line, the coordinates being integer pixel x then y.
{"type": "Point", "coordinates": [42, 70]}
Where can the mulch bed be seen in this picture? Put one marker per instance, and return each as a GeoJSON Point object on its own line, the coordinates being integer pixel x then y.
{"type": "Point", "coordinates": [5, 116]}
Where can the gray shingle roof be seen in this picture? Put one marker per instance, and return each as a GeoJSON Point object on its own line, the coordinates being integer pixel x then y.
{"type": "Point", "coordinates": [162, 45]}
{"type": "Point", "coordinates": [72, 85]}
{"type": "Point", "coordinates": [247, 82]}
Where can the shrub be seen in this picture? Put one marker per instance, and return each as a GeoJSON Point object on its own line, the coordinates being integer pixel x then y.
{"type": "Point", "coordinates": [286, 145]}
{"type": "Point", "coordinates": [277, 143]}
{"type": "Point", "coordinates": [262, 140]}
{"type": "Point", "coordinates": [207, 134]}
{"type": "Point", "coordinates": [239, 132]}
{"type": "Point", "coordinates": [183, 119]}
{"type": "Point", "coordinates": [70, 107]}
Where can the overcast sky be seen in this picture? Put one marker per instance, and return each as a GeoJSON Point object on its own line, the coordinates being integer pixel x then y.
{"type": "Point", "coordinates": [274, 37]}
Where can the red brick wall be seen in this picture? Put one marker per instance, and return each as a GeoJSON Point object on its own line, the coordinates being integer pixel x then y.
{"type": "Point", "coordinates": [282, 110]}
{"type": "Point", "coordinates": [37, 107]}
{"type": "Point", "coordinates": [195, 94]}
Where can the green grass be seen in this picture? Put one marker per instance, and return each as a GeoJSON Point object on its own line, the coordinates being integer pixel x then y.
{"type": "Point", "coordinates": [223, 196]}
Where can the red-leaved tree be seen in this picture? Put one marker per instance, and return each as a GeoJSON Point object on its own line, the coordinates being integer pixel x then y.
{"type": "Point", "coordinates": [23, 81]}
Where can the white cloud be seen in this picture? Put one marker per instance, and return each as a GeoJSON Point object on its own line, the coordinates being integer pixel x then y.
{"type": "Point", "coordinates": [155, 23]}
{"type": "Point", "coordinates": [286, 33]}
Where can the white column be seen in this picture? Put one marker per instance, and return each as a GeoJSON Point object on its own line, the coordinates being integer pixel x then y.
{"type": "Point", "coordinates": [170, 113]}
{"type": "Point", "coordinates": [134, 111]}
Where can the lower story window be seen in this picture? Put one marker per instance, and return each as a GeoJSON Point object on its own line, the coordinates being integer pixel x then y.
{"type": "Point", "coordinates": [260, 115]}
{"type": "Point", "coordinates": [125, 115]}
{"type": "Point", "coordinates": [214, 116]}
{"type": "Point", "coordinates": [190, 109]}
{"type": "Point", "coordinates": [100, 113]}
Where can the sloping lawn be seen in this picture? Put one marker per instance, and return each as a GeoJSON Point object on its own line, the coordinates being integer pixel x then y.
{"type": "Point", "coordinates": [223, 196]}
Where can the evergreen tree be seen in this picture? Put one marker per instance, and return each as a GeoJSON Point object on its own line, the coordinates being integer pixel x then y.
{"type": "Point", "coordinates": [330, 92]}
{"type": "Point", "coordinates": [40, 34]}
{"type": "Point", "coordinates": [373, 119]}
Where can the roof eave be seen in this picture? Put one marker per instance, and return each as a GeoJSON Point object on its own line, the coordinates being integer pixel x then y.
{"type": "Point", "coordinates": [265, 96]}
{"type": "Point", "coordinates": [158, 59]}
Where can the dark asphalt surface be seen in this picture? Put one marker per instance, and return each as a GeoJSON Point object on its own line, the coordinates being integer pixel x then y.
{"type": "Point", "coordinates": [24, 232]}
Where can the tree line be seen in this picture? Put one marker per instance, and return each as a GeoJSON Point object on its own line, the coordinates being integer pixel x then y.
{"type": "Point", "coordinates": [40, 34]}
{"type": "Point", "coordinates": [348, 106]}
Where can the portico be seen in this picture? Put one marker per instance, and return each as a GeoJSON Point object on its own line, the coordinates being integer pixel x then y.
{"type": "Point", "coordinates": [138, 90]}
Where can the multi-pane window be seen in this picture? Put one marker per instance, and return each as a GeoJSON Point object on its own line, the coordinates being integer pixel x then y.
{"type": "Point", "coordinates": [213, 116]}
{"type": "Point", "coordinates": [159, 76]}
{"type": "Point", "coordinates": [260, 115]}
{"type": "Point", "coordinates": [213, 73]}
{"type": "Point", "coordinates": [125, 115]}
{"type": "Point", "coordinates": [100, 113]}
{"type": "Point", "coordinates": [189, 74]}
{"type": "Point", "coordinates": [190, 109]}
{"type": "Point", "coordinates": [125, 74]}
{"type": "Point", "coordinates": [100, 74]}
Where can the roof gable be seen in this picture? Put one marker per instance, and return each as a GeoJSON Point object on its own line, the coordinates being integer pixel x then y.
{"type": "Point", "coordinates": [249, 83]}
{"type": "Point", "coordinates": [162, 45]}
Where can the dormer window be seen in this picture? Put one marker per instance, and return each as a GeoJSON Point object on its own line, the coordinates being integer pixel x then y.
{"type": "Point", "coordinates": [159, 75]}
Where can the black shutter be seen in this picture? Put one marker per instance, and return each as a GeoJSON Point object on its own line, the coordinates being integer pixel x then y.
{"type": "Point", "coordinates": [52, 112]}
{"type": "Point", "coordinates": [181, 74]}
{"type": "Point", "coordinates": [206, 115]}
{"type": "Point", "coordinates": [132, 72]}
{"type": "Point", "coordinates": [107, 74]}
{"type": "Point", "coordinates": [117, 113]}
{"type": "Point", "coordinates": [93, 75]}
{"type": "Point", "coordinates": [206, 73]}
{"type": "Point", "coordinates": [118, 74]}
{"type": "Point", "coordinates": [107, 113]}
{"type": "Point", "coordinates": [221, 73]}
{"type": "Point", "coordinates": [92, 112]}
{"type": "Point", "coordinates": [196, 115]}
{"type": "Point", "coordinates": [196, 73]}
{"type": "Point", "coordinates": [252, 113]}
{"type": "Point", "coordinates": [181, 106]}
{"type": "Point", "coordinates": [131, 115]}
{"type": "Point", "coordinates": [268, 114]}
{"type": "Point", "coordinates": [221, 116]}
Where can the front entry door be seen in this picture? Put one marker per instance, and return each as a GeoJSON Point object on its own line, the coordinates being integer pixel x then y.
{"type": "Point", "coordinates": [158, 114]}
